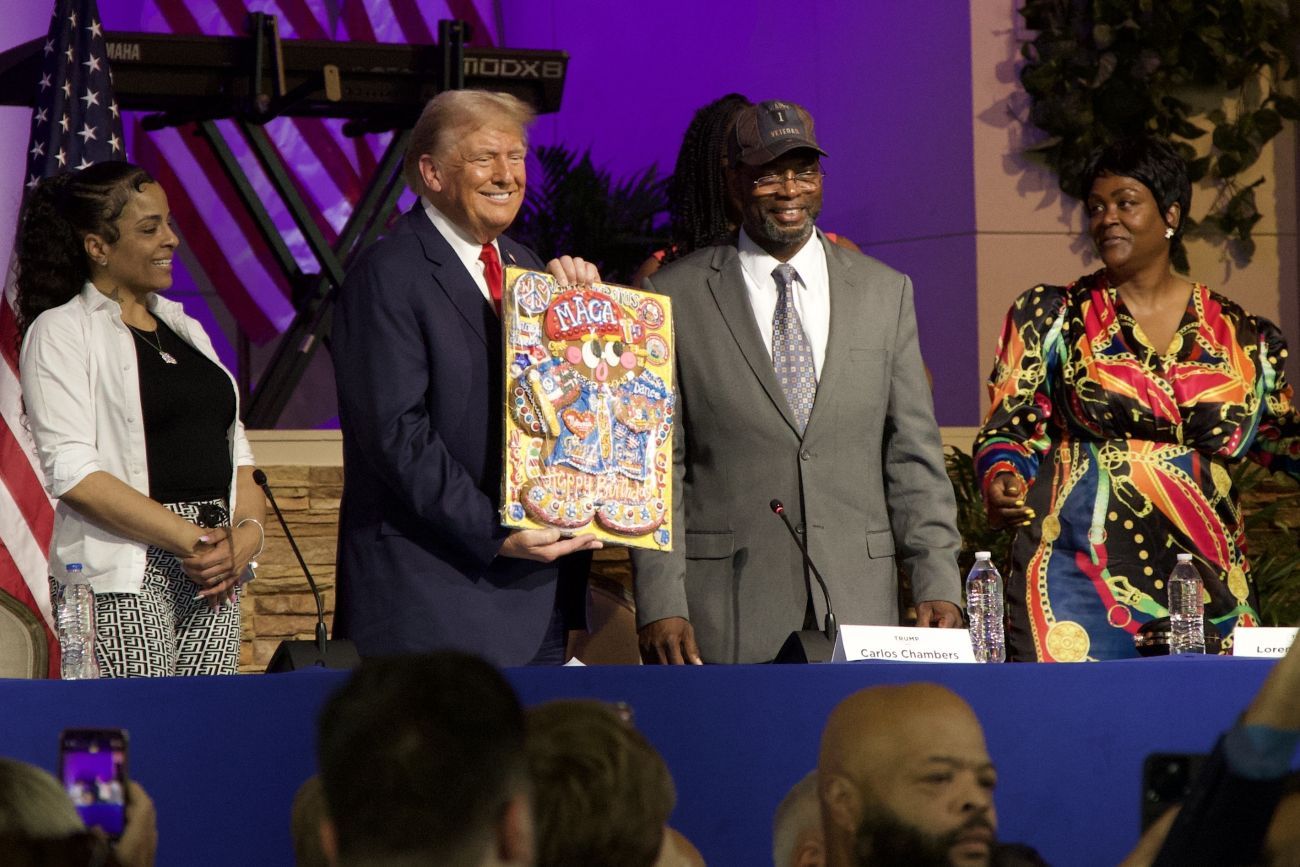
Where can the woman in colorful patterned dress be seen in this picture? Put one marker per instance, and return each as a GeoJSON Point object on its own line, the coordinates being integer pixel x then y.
{"type": "Point", "coordinates": [1119, 405]}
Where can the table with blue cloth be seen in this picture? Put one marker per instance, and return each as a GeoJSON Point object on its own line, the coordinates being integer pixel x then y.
{"type": "Point", "coordinates": [223, 756]}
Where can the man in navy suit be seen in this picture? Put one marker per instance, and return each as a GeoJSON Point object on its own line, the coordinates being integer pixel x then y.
{"type": "Point", "coordinates": [423, 562]}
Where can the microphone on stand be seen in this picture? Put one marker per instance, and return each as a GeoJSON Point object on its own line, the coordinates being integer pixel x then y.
{"type": "Point", "coordinates": [293, 654]}
{"type": "Point", "coordinates": [807, 645]}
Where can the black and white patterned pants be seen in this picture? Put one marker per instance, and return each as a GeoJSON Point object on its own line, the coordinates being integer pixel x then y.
{"type": "Point", "coordinates": [163, 630]}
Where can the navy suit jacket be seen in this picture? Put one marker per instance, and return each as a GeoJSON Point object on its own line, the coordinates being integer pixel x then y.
{"type": "Point", "coordinates": [418, 362]}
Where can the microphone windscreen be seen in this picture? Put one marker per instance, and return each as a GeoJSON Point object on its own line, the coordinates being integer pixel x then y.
{"type": "Point", "coordinates": [259, 477]}
{"type": "Point", "coordinates": [777, 506]}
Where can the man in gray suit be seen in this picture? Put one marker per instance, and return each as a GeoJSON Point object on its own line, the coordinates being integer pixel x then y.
{"type": "Point", "coordinates": [800, 378]}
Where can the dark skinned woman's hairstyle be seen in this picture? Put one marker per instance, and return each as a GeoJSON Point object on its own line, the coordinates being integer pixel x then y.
{"type": "Point", "coordinates": [1155, 163]}
{"type": "Point", "coordinates": [52, 265]}
{"type": "Point", "coordinates": [698, 209]}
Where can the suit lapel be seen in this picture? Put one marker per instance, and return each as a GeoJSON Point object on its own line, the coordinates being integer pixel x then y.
{"type": "Point", "coordinates": [517, 255]}
{"type": "Point", "coordinates": [849, 318]}
{"type": "Point", "coordinates": [728, 287]}
{"type": "Point", "coordinates": [450, 276]}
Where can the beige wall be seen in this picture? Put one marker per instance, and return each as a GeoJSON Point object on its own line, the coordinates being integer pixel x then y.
{"type": "Point", "coordinates": [1027, 232]}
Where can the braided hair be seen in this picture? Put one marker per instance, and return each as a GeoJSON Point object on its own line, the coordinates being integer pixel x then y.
{"type": "Point", "coordinates": [698, 209]}
{"type": "Point", "coordinates": [58, 214]}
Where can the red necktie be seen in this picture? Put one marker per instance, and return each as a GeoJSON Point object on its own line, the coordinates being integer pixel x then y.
{"type": "Point", "coordinates": [493, 273]}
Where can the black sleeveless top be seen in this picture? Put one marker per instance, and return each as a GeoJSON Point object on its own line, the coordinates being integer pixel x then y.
{"type": "Point", "coordinates": [188, 407]}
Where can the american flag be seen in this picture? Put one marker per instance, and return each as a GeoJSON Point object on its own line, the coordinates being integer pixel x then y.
{"type": "Point", "coordinates": [75, 124]}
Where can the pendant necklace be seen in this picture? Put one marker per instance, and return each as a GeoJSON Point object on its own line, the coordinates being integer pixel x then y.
{"type": "Point", "coordinates": [162, 353]}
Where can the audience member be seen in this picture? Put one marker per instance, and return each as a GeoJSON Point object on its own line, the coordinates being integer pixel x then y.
{"type": "Point", "coordinates": [138, 845]}
{"type": "Point", "coordinates": [1282, 842]}
{"type": "Point", "coordinates": [1231, 815]}
{"type": "Point", "coordinates": [33, 804]}
{"type": "Point", "coordinates": [603, 793]}
{"type": "Point", "coordinates": [304, 824]}
{"type": "Point", "coordinates": [905, 778]}
{"type": "Point", "coordinates": [797, 839]}
{"type": "Point", "coordinates": [422, 762]}
{"type": "Point", "coordinates": [678, 851]}
{"type": "Point", "coordinates": [39, 824]}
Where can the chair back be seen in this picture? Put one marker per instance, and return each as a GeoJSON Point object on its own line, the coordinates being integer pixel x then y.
{"type": "Point", "coordinates": [24, 652]}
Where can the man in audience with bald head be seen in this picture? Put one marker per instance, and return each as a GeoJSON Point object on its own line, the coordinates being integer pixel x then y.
{"type": "Point", "coordinates": [905, 778]}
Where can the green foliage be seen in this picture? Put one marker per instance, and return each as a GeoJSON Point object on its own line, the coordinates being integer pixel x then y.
{"type": "Point", "coordinates": [1098, 70]}
{"type": "Point", "coordinates": [578, 209]}
{"type": "Point", "coordinates": [1271, 542]}
{"type": "Point", "coordinates": [972, 521]}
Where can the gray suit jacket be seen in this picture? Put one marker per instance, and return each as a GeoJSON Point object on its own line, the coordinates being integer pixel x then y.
{"type": "Point", "coordinates": [866, 480]}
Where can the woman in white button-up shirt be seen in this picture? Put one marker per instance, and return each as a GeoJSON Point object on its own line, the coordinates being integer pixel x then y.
{"type": "Point", "coordinates": [137, 426]}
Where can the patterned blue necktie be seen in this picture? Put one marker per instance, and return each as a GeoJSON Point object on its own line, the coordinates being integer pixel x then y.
{"type": "Point", "coordinates": [791, 352]}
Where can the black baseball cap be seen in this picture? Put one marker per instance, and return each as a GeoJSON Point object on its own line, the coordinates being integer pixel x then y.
{"type": "Point", "coordinates": [769, 129]}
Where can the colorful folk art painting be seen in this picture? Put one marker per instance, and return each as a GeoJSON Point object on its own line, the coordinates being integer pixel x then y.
{"type": "Point", "coordinates": [589, 410]}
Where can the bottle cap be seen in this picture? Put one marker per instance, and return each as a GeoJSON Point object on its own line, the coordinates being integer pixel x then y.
{"type": "Point", "coordinates": [983, 555]}
{"type": "Point", "coordinates": [1184, 558]}
{"type": "Point", "coordinates": [73, 567]}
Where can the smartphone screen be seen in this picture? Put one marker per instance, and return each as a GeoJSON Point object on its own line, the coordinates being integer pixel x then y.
{"type": "Point", "coordinates": [92, 766]}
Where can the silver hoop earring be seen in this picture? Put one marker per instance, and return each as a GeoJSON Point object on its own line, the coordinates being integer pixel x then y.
{"type": "Point", "coordinates": [1169, 234]}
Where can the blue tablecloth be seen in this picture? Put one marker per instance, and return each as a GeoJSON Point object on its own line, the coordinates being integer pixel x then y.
{"type": "Point", "coordinates": [223, 756]}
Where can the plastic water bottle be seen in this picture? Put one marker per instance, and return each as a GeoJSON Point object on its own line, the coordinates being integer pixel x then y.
{"type": "Point", "coordinates": [1186, 608]}
{"type": "Point", "coordinates": [984, 607]}
{"type": "Point", "coordinates": [77, 626]}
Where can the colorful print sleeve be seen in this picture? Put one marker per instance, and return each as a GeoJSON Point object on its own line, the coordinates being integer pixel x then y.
{"type": "Point", "coordinates": [1014, 435]}
{"type": "Point", "coordinates": [1276, 444]}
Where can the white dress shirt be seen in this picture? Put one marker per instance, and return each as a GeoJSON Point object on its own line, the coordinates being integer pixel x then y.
{"type": "Point", "coordinates": [467, 250]}
{"type": "Point", "coordinates": [81, 389]}
{"type": "Point", "coordinates": [812, 292]}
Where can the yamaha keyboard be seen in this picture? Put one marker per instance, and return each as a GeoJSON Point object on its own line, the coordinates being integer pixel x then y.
{"type": "Point", "coordinates": [379, 85]}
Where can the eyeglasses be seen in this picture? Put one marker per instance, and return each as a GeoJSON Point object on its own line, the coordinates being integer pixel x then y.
{"type": "Point", "coordinates": [804, 182]}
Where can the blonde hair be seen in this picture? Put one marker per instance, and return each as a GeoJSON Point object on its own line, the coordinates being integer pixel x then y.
{"type": "Point", "coordinates": [454, 113]}
{"type": "Point", "coordinates": [33, 805]}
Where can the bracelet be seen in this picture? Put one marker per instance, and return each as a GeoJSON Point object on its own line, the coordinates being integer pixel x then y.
{"type": "Point", "coordinates": [261, 531]}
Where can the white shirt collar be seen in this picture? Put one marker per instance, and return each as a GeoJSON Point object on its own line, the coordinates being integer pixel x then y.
{"type": "Point", "coordinates": [93, 300]}
{"type": "Point", "coordinates": [759, 264]}
{"type": "Point", "coordinates": [811, 294]}
{"type": "Point", "coordinates": [467, 250]}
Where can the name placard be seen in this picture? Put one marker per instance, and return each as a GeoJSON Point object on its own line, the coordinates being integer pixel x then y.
{"type": "Point", "coordinates": [1270, 642]}
{"type": "Point", "coordinates": [902, 644]}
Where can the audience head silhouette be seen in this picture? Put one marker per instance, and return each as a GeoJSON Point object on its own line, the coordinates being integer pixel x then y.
{"type": "Point", "coordinates": [422, 762]}
{"type": "Point", "coordinates": [603, 793]}
{"type": "Point", "coordinates": [797, 839]}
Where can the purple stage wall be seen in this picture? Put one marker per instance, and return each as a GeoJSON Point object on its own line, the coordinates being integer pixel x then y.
{"type": "Point", "coordinates": [888, 83]}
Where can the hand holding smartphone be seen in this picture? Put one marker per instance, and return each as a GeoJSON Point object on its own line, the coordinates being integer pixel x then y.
{"type": "Point", "coordinates": [1166, 780]}
{"type": "Point", "coordinates": [92, 768]}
